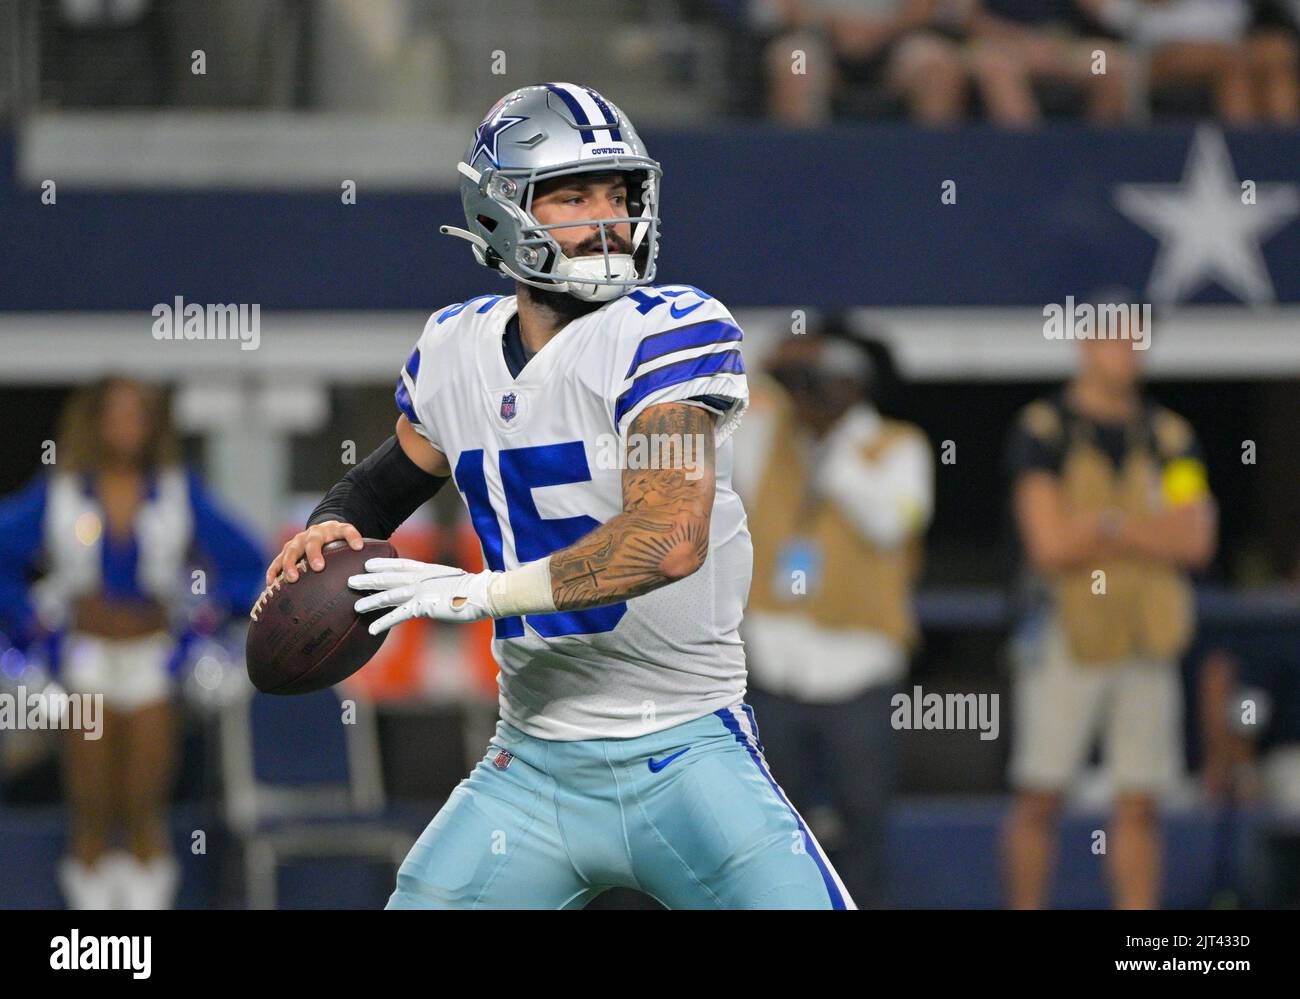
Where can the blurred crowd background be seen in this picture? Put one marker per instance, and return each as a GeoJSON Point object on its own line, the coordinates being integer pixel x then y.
{"type": "Point", "coordinates": [887, 194]}
{"type": "Point", "coordinates": [935, 62]}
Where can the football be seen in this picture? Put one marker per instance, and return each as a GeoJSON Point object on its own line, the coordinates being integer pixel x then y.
{"type": "Point", "coordinates": [305, 635]}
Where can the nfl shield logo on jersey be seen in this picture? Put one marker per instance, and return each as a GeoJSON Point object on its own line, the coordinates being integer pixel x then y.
{"type": "Point", "coordinates": [508, 406]}
{"type": "Point", "coordinates": [502, 760]}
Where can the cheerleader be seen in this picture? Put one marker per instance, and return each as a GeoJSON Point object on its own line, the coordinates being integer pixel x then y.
{"type": "Point", "coordinates": [122, 540]}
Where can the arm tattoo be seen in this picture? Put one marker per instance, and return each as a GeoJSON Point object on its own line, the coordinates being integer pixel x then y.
{"type": "Point", "coordinates": [663, 532]}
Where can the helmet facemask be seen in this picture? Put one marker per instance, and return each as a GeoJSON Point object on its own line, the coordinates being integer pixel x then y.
{"type": "Point", "coordinates": [536, 257]}
{"type": "Point", "coordinates": [609, 272]}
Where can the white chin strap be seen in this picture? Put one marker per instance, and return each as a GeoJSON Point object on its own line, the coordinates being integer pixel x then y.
{"type": "Point", "coordinates": [570, 272]}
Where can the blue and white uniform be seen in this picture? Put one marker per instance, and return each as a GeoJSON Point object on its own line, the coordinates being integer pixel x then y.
{"type": "Point", "coordinates": [593, 702]}
{"type": "Point", "coordinates": [56, 525]}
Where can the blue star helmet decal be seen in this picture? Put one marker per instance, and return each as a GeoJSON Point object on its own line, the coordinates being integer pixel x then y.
{"type": "Point", "coordinates": [488, 135]}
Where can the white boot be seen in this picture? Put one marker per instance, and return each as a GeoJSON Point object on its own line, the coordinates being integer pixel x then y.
{"type": "Point", "coordinates": [119, 867]}
{"type": "Point", "coordinates": [151, 884]}
{"type": "Point", "coordinates": [86, 886]}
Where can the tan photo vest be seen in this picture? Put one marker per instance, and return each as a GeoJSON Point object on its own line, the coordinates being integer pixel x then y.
{"type": "Point", "coordinates": [1147, 608]}
{"type": "Point", "coordinates": [857, 584]}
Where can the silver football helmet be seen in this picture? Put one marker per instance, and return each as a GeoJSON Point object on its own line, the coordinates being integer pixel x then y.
{"type": "Point", "coordinates": [552, 130]}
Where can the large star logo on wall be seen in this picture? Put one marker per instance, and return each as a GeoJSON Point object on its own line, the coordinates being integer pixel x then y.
{"type": "Point", "coordinates": [1207, 230]}
{"type": "Point", "coordinates": [488, 135]}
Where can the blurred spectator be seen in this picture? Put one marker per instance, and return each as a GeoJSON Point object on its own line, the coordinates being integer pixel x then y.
{"type": "Point", "coordinates": [379, 55]}
{"type": "Point", "coordinates": [1274, 52]}
{"type": "Point", "coordinates": [111, 532]}
{"type": "Point", "coordinates": [1249, 689]}
{"type": "Point", "coordinates": [903, 48]}
{"type": "Point", "coordinates": [1243, 52]}
{"type": "Point", "coordinates": [1019, 43]}
{"type": "Point", "coordinates": [864, 56]}
{"type": "Point", "coordinates": [838, 496]}
{"type": "Point", "coordinates": [926, 54]}
{"type": "Point", "coordinates": [140, 53]}
{"type": "Point", "coordinates": [1113, 509]}
{"type": "Point", "coordinates": [103, 53]}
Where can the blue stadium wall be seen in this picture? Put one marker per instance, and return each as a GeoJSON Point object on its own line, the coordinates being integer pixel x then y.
{"type": "Point", "coordinates": [754, 216]}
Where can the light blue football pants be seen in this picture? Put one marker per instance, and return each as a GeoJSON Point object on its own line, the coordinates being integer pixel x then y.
{"type": "Point", "coordinates": [689, 815]}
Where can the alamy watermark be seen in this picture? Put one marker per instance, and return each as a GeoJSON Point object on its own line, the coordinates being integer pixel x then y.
{"type": "Point", "coordinates": [180, 320]}
{"type": "Point", "coordinates": [92, 952]}
{"type": "Point", "coordinates": [653, 451]}
{"type": "Point", "coordinates": [1108, 321]}
{"type": "Point", "coordinates": [949, 712]}
{"type": "Point", "coordinates": [52, 708]}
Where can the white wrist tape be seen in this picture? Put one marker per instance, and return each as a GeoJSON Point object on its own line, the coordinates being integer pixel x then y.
{"type": "Point", "coordinates": [526, 590]}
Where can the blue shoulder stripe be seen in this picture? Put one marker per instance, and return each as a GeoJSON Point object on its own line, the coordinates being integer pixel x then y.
{"type": "Point", "coordinates": [452, 311]}
{"type": "Point", "coordinates": [681, 338]}
{"type": "Point", "coordinates": [413, 363]}
{"type": "Point", "coordinates": [718, 403]}
{"type": "Point", "coordinates": [727, 362]}
{"type": "Point", "coordinates": [404, 403]}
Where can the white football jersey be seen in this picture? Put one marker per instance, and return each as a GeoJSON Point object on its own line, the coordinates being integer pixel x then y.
{"type": "Point", "coordinates": [537, 460]}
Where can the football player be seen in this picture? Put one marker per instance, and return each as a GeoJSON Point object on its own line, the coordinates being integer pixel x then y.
{"type": "Point", "coordinates": [585, 422]}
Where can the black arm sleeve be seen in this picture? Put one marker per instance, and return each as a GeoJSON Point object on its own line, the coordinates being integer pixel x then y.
{"type": "Point", "coordinates": [377, 495]}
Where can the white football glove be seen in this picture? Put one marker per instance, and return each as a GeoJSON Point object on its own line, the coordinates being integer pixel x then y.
{"type": "Point", "coordinates": [421, 589]}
